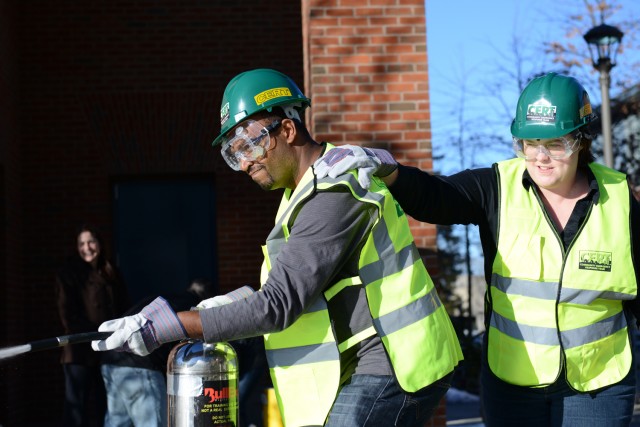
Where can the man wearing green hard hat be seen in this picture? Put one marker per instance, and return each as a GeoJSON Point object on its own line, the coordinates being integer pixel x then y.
{"type": "Point", "coordinates": [561, 241]}
{"type": "Point", "coordinates": [354, 331]}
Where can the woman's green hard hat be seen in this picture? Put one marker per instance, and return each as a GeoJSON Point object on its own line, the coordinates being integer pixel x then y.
{"type": "Point", "coordinates": [551, 106]}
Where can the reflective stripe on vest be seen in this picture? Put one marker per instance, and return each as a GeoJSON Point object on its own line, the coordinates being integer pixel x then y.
{"type": "Point", "coordinates": [304, 359]}
{"type": "Point", "coordinates": [548, 305]}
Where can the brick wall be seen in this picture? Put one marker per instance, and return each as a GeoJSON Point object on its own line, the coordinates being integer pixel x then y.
{"type": "Point", "coordinates": [366, 72]}
{"type": "Point", "coordinates": [367, 75]}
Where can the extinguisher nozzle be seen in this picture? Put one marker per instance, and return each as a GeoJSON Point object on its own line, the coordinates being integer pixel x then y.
{"type": "Point", "coordinates": [6, 353]}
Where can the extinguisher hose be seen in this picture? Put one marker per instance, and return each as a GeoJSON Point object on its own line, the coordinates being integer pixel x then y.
{"type": "Point", "coordinates": [50, 343]}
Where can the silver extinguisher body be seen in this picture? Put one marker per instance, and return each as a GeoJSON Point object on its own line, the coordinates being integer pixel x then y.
{"type": "Point", "coordinates": [202, 385]}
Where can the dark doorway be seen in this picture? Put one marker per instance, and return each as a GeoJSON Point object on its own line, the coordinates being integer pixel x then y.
{"type": "Point", "coordinates": [164, 233]}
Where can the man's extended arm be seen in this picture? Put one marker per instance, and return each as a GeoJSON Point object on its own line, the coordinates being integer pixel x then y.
{"type": "Point", "coordinates": [328, 230]}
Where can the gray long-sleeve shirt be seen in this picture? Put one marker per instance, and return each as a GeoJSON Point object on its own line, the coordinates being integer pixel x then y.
{"type": "Point", "coordinates": [323, 247]}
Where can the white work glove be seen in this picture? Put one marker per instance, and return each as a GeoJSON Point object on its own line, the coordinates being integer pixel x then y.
{"type": "Point", "coordinates": [232, 296]}
{"type": "Point", "coordinates": [142, 333]}
{"type": "Point", "coordinates": [368, 162]}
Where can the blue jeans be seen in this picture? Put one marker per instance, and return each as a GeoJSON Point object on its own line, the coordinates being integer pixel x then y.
{"type": "Point", "coordinates": [371, 400]}
{"type": "Point", "coordinates": [135, 396]}
{"type": "Point", "coordinates": [556, 405]}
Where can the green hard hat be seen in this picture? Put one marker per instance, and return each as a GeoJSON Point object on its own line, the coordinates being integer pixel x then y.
{"type": "Point", "coordinates": [257, 90]}
{"type": "Point", "coordinates": [551, 106]}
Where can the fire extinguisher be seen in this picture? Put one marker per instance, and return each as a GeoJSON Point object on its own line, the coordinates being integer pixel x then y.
{"type": "Point", "coordinates": [202, 385]}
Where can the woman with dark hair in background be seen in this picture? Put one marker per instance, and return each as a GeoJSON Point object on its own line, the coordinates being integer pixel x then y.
{"type": "Point", "coordinates": [89, 291]}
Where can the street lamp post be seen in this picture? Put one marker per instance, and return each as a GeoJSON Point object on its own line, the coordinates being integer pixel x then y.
{"type": "Point", "coordinates": [605, 41]}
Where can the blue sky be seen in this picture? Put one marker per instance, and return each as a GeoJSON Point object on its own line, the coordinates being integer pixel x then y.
{"type": "Point", "coordinates": [467, 40]}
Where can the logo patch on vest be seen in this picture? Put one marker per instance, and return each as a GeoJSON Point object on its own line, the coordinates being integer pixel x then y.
{"type": "Point", "coordinates": [595, 260]}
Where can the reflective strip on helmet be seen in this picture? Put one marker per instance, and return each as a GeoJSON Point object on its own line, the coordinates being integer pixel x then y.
{"type": "Point", "coordinates": [407, 315]}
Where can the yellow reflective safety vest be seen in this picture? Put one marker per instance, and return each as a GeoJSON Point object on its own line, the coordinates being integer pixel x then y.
{"type": "Point", "coordinates": [304, 359]}
{"type": "Point", "coordinates": [551, 306]}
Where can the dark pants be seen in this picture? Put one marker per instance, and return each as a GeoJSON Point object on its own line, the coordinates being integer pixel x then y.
{"type": "Point", "coordinates": [557, 404]}
{"type": "Point", "coordinates": [85, 400]}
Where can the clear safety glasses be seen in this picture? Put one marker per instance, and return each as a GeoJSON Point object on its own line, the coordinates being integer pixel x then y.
{"type": "Point", "coordinates": [249, 142]}
{"type": "Point", "coordinates": [556, 148]}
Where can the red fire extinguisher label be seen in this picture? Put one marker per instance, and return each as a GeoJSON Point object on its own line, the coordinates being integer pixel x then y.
{"type": "Point", "coordinates": [218, 404]}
